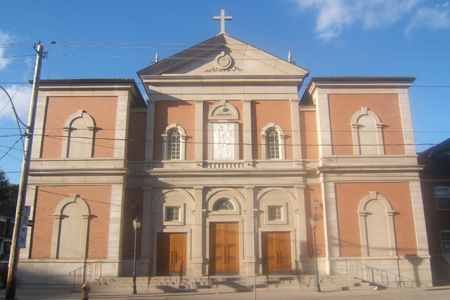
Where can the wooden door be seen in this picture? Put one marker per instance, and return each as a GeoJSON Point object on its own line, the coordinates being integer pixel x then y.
{"type": "Point", "coordinates": [276, 253]}
{"type": "Point", "coordinates": [171, 254]}
{"type": "Point", "coordinates": [224, 249]}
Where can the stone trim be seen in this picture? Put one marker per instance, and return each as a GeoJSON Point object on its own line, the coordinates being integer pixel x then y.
{"type": "Point", "coordinates": [66, 132]}
{"type": "Point", "coordinates": [362, 222]}
{"type": "Point", "coordinates": [281, 136]}
{"type": "Point", "coordinates": [355, 126]}
{"type": "Point", "coordinates": [182, 141]}
{"type": "Point", "coordinates": [223, 111]}
{"type": "Point", "coordinates": [85, 213]}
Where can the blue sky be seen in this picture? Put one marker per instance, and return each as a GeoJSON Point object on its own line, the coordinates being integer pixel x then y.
{"type": "Point", "coordinates": [115, 39]}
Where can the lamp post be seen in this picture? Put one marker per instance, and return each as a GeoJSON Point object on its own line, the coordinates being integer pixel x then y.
{"type": "Point", "coordinates": [313, 222]}
{"type": "Point", "coordinates": [136, 225]}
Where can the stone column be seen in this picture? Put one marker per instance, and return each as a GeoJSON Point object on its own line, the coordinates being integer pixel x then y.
{"type": "Point", "coordinates": [248, 130]}
{"type": "Point", "coordinates": [197, 234]}
{"type": "Point", "coordinates": [198, 131]}
{"type": "Point", "coordinates": [295, 117]}
{"type": "Point", "coordinates": [324, 124]}
{"type": "Point", "coordinates": [150, 130]}
{"type": "Point", "coordinates": [145, 231]}
{"type": "Point", "coordinates": [330, 220]}
{"type": "Point", "coordinates": [302, 224]}
{"type": "Point", "coordinates": [248, 233]}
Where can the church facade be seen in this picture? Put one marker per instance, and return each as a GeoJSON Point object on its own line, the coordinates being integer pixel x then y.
{"type": "Point", "coordinates": [221, 164]}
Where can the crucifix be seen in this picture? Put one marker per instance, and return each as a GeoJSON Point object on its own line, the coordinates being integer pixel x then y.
{"type": "Point", "coordinates": [222, 19]}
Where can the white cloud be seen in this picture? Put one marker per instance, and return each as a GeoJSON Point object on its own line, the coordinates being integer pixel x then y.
{"type": "Point", "coordinates": [334, 16]}
{"type": "Point", "coordinates": [432, 18]}
{"type": "Point", "coordinates": [21, 101]}
{"type": "Point", "coordinates": [4, 39]}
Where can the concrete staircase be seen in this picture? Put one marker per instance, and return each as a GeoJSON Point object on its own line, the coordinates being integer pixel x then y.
{"type": "Point", "coordinates": [222, 284]}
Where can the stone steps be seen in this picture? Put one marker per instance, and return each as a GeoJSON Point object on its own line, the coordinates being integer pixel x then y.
{"type": "Point", "coordinates": [169, 284]}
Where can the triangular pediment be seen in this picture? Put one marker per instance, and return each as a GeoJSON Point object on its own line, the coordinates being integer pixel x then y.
{"type": "Point", "coordinates": [223, 55]}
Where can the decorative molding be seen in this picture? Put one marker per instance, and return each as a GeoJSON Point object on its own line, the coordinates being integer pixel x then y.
{"type": "Point", "coordinates": [365, 111]}
{"type": "Point", "coordinates": [215, 69]}
{"type": "Point", "coordinates": [223, 111]}
{"type": "Point", "coordinates": [182, 140]}
{"type": "Point", "coordinates": [58, 218]}
{"type": "Point", "coordinates": [374, 195]}
{"type": "Point", "coordinates": [281, 136]}
{"type": "Point", "coordinates": [89, 134]}
{"type": "Point", "coordinates": [223, 63]}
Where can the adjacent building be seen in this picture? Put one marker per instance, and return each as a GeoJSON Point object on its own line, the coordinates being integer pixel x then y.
{"type": "Point", "coordinates": [435, 181]}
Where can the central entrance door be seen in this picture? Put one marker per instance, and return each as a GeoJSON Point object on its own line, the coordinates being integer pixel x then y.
{"type": "Point", "coordinates": [171, 254]}
{"type": "Point", "coordinates": [224, 249]}
{"type": "Point", "coordinates": [276, 253]}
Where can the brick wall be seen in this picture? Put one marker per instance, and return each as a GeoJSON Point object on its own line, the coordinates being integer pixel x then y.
{"type": "Point", "coordinates": [386, 106]}
{"type": "Point", "coordinates": [47, 199]}
{"type": "Point", "coordinates": [103, 111]}
{"type": "Point", "coordinates": [348, 197]}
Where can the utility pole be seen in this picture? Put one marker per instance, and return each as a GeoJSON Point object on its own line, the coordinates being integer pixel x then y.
{"type": "Point", "coordinates": [14, 255]}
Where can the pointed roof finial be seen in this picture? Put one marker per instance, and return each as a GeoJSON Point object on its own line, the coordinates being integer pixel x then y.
{"type": "Point", "coordinates": [222, 19]}
{"type": "Point", "coordinates": [156, 57]}
{"type": "Point", "coordinates": [289, 56]}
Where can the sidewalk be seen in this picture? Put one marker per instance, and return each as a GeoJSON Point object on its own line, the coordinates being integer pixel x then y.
{"type": "Point", "coordinates": [389, 294]}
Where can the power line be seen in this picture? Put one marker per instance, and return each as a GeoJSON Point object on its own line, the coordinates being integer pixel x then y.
{"type": "Point", "coordinates": [10, 148]}
{"type": "Point", "coordinates": [250, 59]}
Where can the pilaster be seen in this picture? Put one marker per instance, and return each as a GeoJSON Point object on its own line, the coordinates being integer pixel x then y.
{"type": "Point", "coordinates": [146, 226]}
{"type": "Point", "coordinates": [295, 117]}
{"type": "Point", "coordinates": [250, 240]}
{"type": "Point", "coordinates": [330, 221]}
{"type": "Point", "coordinates": [150, 130]}
{"type": "Point", "coordinates": [197, 233]}
{"type": "Point", "coordinates": [419, 218]}
{"type": "Point", "coordinates": [198, 131]}
{"type": "Point", "coordinates": [248, 130]}
{"type": "Point", "coordinates": [323, 123]}
{"type": "Point", "coordinates": [302, 226]}
{"type": "Point", "coordinates": [115, 222]}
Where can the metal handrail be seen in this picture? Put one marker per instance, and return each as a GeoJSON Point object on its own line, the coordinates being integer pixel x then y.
{"type": "Point", "coordinates": [92, 269]}
{"type": "Point", "coordinates": [181, 273]}
{"type": "Point", "coordinates": [368, 273]}
{"type": "Point", "coordinates": [298, 272]}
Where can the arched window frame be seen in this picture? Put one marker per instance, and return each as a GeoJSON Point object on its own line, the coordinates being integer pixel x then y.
{"type": "Point", "coordinates": [362, 222]}
{"type": "Point", "coordinates": [68, 126]}
{"type": "Point", "coordinates": [165, 143]}
{"type": "Point", "coordinates": [221, 201]}
{"type": "Point", "coordinates": [356, 125]}
{"type": "Point", "coordinates": [85, 213]}
{"type": "Point", "coordinates": [281, 141]}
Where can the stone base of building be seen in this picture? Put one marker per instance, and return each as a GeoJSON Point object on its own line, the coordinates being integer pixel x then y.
{"type": "Point", "coordinates": [406, 271]}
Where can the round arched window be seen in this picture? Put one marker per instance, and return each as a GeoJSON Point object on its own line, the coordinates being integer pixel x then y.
{"type": "Point", "coordinates": [223, 204]}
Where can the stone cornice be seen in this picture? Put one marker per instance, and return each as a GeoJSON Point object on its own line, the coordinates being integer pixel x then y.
{"type": "Point", "coordinates": [361, 168]}
{"type": "Point", "coordinates": [255, 172]}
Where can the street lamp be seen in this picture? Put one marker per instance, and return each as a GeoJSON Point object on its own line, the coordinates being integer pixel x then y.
{"type": "Point", "coordinates": [313, 222]}
{"type": "Point", "coordinates": [136, 225]}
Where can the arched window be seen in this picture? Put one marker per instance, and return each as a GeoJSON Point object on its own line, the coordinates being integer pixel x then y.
{"type": "Point", "coordinates": [367, 131]}
{"type": "Point", "coordinates": [174, 142]}
{"type": "Point", "coordinates": [272, 138]}
{"type": "Point", "coordinates": [272, 144]}
{"type": "Point", "coordinates": [223, 204]}
{"type": "Point", "coordinates": [78, 135]}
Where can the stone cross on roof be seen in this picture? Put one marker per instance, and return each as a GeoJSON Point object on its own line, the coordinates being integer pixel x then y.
{"type": "Point", "coordinates": [222, 19]}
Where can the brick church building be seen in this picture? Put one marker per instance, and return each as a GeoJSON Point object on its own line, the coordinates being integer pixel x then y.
{"type": "Point", "coordinates": [221, 160]}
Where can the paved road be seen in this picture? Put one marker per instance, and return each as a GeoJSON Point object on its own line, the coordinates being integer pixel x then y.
{"type": "Point", "coordinates": [389, 294]}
